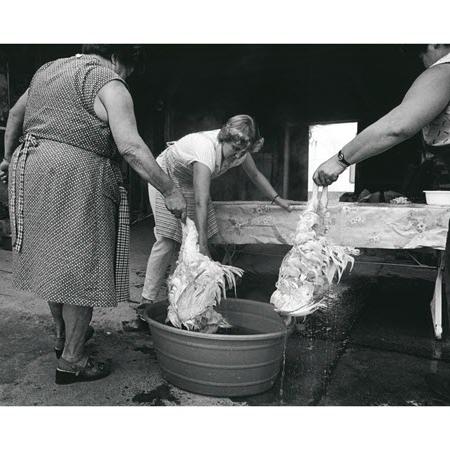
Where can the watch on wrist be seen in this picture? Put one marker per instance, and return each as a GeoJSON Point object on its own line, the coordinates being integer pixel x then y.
{"type": "Point", "coordinates": [342, 160]}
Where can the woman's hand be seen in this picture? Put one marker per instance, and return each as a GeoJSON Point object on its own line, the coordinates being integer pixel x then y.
{"type": "Point", "coordinates": [175, 203]}
{"type": "Point", "coordinates": [4, 165]}
{"type": "Point", "coordinates": [285, 204]}
{"type": "Point", "coordinates": [328, 172]}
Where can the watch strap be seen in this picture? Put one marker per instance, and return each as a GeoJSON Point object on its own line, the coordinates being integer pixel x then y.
{"type": "Point", "coordinates": [342, 159]}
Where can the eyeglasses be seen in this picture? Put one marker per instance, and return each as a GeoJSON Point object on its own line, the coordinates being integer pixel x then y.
{"type": "Point", "coordinates": [240, 150]}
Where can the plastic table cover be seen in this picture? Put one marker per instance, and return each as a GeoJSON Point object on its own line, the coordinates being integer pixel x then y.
{"type": "Point", "coordinates": [364, 225]}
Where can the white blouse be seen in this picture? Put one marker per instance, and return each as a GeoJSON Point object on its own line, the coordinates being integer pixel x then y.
{"type": "Point", "coordinates": [203, 147]}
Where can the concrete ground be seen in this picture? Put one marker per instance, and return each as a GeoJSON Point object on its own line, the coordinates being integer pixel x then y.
{"type": "Point", "coordinates": [372, 346]}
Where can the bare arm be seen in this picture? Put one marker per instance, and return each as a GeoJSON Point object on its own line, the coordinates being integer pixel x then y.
{"type": "Point", "coordinates": [14, 125]}
{"type": "Point", "coordinates": [425, 100]}
{"type": "Point", "coordinates": [118, 104]}
{"type": "Point", "coordinates": [202, 182]}
{"type": "Point", "coordinates": [262, 183]}
{"type": "Point", "coordinates": [14, 128]}
{"type": "Point", "coordinates": [120, 110]}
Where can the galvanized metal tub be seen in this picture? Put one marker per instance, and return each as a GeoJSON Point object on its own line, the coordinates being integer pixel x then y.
{"type": "Point", "coordinates": [222, 365]}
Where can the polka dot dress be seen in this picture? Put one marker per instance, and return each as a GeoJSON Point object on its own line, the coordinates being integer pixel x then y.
{"type": "Point", "coordinates": [71, 189]}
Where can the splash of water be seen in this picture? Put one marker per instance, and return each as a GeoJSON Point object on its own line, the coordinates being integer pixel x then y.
{"type": "Point", "coordinates": [283, 371]}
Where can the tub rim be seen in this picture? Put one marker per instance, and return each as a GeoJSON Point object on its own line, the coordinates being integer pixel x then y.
{"type": "Point", "coordinates": [218, 337]}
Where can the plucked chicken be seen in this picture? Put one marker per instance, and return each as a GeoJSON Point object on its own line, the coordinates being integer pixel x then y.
{"type": "Point", "coordinates": [312, 264]}
{"type": "Point", "coordinates": [197, 285]}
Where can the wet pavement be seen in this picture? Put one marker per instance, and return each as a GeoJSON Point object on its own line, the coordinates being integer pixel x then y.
{"type": "Point", "coordinates": [368, 349]}
{"type": "Point", "coordinates": [374, 345]}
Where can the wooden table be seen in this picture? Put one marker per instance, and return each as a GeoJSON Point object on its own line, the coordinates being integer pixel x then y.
{"type": "Point", "coordinates": [361, 225]}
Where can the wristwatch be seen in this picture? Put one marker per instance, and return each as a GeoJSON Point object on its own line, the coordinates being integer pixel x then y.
{"type": "Point", "coordinates": [341, 159]}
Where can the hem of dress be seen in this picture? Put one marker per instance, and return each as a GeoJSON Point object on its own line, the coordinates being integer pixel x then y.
{"type": "Point", "coordinates": [66, 301]}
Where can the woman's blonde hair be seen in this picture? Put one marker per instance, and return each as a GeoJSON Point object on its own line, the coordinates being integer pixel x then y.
{"type": "Point", "coordinates": [240, 130]}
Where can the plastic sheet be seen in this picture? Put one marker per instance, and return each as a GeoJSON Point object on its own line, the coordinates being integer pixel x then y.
{"type": "Point", "coordinates": [358, 225]}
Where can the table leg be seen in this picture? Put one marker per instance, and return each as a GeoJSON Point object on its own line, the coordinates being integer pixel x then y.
{"type": "Point", "coordinates": [230, 251]}
{"type": "Point", "coordinates": [436, 302]}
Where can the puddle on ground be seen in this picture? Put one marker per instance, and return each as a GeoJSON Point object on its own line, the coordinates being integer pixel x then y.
{"type": "Point", "coordinates": [305, 372]}
{"type": "Point", "coordinates": [157, 397]}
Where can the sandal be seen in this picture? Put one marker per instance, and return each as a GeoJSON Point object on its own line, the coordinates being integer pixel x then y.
{"type": "Point", "coordinates": [91, 370]}
{"type": "Point", "coordinates": [59, 342]}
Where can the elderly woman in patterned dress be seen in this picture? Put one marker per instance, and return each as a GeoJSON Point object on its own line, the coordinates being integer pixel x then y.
{"type": "Point", "coordinates": [426, 108]}
{"type": "Point", "coordinates": [191, 162]}
{"type": "Point", "coordinates": [68, 206]}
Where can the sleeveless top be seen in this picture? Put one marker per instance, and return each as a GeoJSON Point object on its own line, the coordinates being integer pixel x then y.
{"type": "Point", "coordinates": [60, 104]}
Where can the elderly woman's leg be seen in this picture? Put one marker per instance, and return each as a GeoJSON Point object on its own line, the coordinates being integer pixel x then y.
{"type": "Point", "coordinates": [76, 319]}
{"type": "Point", "coordinates": [56, 310]}
{"type": "Point", "coordinates": [75, 365]}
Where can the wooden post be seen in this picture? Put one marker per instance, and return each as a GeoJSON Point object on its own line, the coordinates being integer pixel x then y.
{"type": "Point", "coordinates": [436, 302]}
{"type": "Point", "coordinates": [286, 161]}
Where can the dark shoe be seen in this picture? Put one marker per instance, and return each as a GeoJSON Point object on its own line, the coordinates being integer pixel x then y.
{"type": "Point", "coordinates": [59, 343]}
{"type": "Point", "coordinates": [135, 325]}
{"type": "Point", "coordinates": [138, 324]}
{"type": "Point", "coordinates": [440, 386]}
{"type": "Point", "coordinates": [67, 373]}
{"type": "Point", "coordinates": [140, 310]}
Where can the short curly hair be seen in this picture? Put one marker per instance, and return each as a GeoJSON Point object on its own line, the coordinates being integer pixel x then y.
{"type": "Point", "coordinates": [131, 55]}
{"type": "Point", "coordinates": [240, 130]}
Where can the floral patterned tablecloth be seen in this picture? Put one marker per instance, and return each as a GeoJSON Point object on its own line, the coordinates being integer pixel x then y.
{"type": "Point", "coordinates": [361, 225]}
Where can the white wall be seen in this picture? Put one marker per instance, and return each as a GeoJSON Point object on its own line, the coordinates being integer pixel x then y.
{"type": "Point", "coordinates": [325, 140]}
